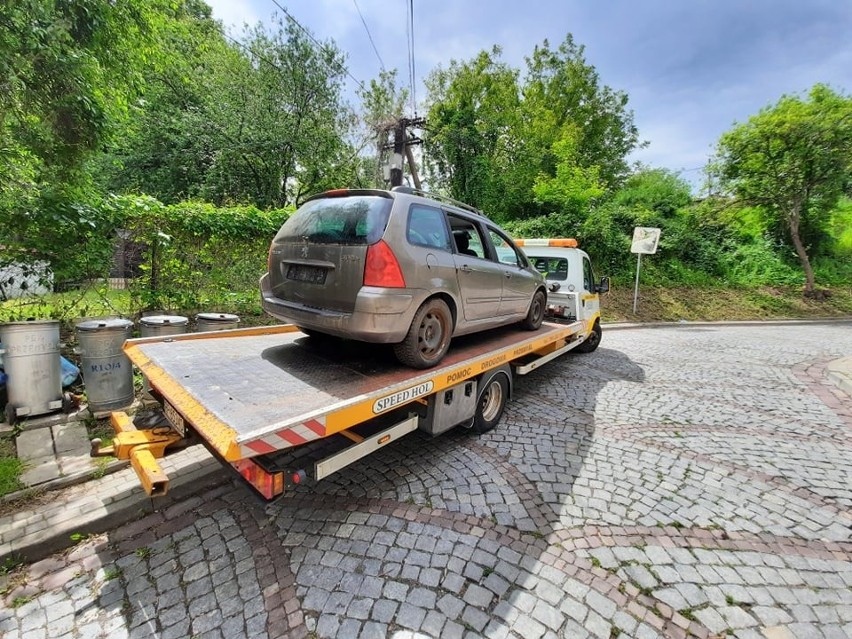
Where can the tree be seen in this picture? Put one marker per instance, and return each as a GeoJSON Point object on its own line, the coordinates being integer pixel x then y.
{"type": "Point", "coordinates": [794, 160]}
{"type": "Point", "coordinates": [492, 135]}
{"type": "Point", "coordinates": [470, 132]}
{"type": "Point", "coordinates": [69, 71]}
{"type": "Point", "coordinates": [564, 84]}
{"type": "Point", "coordinates": [261, 121]}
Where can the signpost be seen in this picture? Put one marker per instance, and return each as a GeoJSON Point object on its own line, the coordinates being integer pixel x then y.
{"type": "Point", "coordinates": [645, 240]}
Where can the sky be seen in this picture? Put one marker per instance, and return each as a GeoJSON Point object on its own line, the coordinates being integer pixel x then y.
{"type": "Point", "coordinates": [691, 68]}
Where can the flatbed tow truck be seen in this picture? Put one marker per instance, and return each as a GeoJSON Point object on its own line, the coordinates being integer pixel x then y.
{"type": "Point", "coordinates": [282, 408]}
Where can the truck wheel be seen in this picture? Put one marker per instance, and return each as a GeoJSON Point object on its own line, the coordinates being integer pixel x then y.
{"type": "Point", "coordinates": [428, 337]}
{"type": "Point", "coordinates": [592, 341]}
{"type": "Point", "coordinates": [535, 316]}
{"type": "Point", "coordinates": [490, 404]}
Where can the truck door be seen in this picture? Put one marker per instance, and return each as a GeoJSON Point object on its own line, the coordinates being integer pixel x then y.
{"type": "Point", "coordinates": [590, 304]}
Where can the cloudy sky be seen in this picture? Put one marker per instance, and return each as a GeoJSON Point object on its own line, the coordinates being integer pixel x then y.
{"type": "Point", "coordinates": [691, 68]}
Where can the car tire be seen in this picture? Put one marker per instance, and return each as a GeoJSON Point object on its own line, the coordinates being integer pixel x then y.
{"type": "Point", "coordinates": [428, 337]}
{"type": "Point", "coordinates": [490, 403]}
{"type": "Point", "coordinates": [535, 315]}
{"type": "Point", "coordinates": [592, 341]}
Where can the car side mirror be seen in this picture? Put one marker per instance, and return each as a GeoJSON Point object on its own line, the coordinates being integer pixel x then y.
{"type": "Point", "coordinates": [603, 287]}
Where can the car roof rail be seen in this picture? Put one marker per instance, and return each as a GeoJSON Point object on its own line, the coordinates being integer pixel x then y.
{"type": "Point", "coordinates": [408, 190]}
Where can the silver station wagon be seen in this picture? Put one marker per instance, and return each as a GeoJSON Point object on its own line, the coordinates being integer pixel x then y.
{"type": "Point", "coordinates": [399, 267]}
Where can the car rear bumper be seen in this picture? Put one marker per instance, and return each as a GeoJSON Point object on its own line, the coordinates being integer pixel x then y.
{"type": "Point", "coordinates": [381, 315]}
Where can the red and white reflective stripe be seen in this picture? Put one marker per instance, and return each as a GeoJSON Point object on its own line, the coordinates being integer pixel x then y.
{"type": "Point", "coordinates": [286, 438]}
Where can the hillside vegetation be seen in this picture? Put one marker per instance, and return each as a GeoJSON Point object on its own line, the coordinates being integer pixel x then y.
{"type": "Point", "coordinates": [138, 141]}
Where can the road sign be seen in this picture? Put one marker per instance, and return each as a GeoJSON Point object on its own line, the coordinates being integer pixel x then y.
{"type": "Point", "coordinates": [645, 240]}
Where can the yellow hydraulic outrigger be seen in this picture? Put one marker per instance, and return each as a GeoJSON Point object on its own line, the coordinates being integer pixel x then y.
{"type": "Point", "coordinates": [142, 448]}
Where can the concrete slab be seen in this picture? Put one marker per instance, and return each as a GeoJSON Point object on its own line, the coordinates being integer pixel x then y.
{"type": "Point", "coordinates": [71, 437]}
{"type": "Point", "coordinates": [51, 419]}
{"type": "Point", "coordinates": [70, 465]}
{"type": "Point", "coordinates": [34, 444]}
{"type": "Point", "coordinates": [40, 470]}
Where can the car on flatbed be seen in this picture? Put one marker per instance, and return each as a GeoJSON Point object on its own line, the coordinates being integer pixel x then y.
{"type": "Point", "coordinates": [399, 267]}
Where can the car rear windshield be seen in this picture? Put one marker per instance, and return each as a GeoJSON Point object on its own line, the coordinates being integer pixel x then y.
{"type": "Point", "coordinates": [359, 219]}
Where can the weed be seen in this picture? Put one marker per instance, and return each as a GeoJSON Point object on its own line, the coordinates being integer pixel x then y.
{"type": "Point", "coordinates": [595, 562]}
{"type": "Point", "coordinates": [17, 602]}
{"type": "Point", "coordinates": [487, 571]}
{"type": "Point", "coordinates": [10, 564]}
{"type": "Point", "coordinates": [730, 600]}
{"type": "Point", "coordinates": [101, 466]}
{"type": "Point", "coordinates": [687, 613]}
{"type": "Point", "coordinates": [537, 534]}
{"type": "Point", "coordinates": [113, 572]}
{"type": "Point", "coordinates": [409, 501]}
{"type": "Point", "coordinates": [144, 552]}
{"type": "Point", "coordinates": [78, 537]}
{"type": "Point", "coordinates": [614, 632]}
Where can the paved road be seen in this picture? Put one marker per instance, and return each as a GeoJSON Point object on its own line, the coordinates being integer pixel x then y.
{"type": "Point", "coordinates": [679, 482]}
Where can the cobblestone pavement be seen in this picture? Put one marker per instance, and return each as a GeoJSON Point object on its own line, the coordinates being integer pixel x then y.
{"type": "Point", "coordinates": [679, 482]}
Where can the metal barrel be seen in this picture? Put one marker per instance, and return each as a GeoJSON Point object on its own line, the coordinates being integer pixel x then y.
{"type": "Point", "coordinates": [107, 372]}
{"type": "Point", "coordinates": [32, 365]}
{"type": "Point", "coordinates": [158, 325]}
{"type": "Point", "coordinates": [216, 321]}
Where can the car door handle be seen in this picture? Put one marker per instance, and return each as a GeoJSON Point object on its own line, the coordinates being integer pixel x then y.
{"type": "Point", "coordinates": [464, 268]}
{"type": "Point", "coordinates": [508, 274]}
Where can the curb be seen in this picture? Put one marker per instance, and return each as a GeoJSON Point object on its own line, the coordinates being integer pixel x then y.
{"type": "Point", "coordinates": [839, 373]}
{"type": "Point", "coordinates": [701, 323]}
{"type": "Point", "coordinates": [102, 504]}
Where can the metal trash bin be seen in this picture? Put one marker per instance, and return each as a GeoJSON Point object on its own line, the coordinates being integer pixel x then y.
{"type": "Point", "coordinates": [107, 372]}
{"type": "Point", "coordinates": [159, 325]}
{"type": "Point", "coordinates": [215, 321]}
{"type": "Point", "coordinates": [33, 369]}
{"type": "Point", "coordinates": [156, 325]}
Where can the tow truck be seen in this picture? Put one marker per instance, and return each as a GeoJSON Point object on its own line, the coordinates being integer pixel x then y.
{"type": "Point", "coordinates": [283, 408]}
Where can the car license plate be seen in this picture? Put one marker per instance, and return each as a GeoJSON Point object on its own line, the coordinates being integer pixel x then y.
{"type": "Point", "coordinates": [302, 273]}
{"type": "Point", "coordinates": [175, 419]}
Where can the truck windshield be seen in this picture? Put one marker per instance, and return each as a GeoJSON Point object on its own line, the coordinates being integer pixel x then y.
{"type": "Point", "coordinates": [339, 220]}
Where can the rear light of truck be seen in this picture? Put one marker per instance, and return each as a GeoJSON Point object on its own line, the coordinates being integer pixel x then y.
{"type": "Point", "coordinates": [381, 267]}
{"type": "Point", "coordinates": [270, 485]}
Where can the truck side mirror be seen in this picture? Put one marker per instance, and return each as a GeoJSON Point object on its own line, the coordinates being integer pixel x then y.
{"type": "Point", "coordinates": [603, 287]}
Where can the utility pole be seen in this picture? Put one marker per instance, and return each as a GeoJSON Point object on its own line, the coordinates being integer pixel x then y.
{"type": "Point", "coordinates": [401, 148]}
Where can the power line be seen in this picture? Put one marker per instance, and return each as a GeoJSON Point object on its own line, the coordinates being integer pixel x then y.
{"type": "Point", "coordinates": [369, 35]}
{"type": "Point", "coordinates": [340, 67]}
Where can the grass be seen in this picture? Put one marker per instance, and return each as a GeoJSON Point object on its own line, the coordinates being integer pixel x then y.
{"type": "Point", "coordinates": [10, 466]}
{"type": "Point", "coordinates": [710, 304]}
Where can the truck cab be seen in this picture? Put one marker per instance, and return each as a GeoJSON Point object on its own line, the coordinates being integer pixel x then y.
{"type": "Point", "coordinates": [573, 294]}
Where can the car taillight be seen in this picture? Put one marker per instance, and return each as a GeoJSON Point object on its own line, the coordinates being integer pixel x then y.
{"type": "Point", "coordinates": [382, 267]}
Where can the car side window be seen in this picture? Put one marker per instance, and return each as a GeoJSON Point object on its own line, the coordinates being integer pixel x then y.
{"type": "Point", "coordinates": [506, 252]}
{"type": "Point", "coordinates": [426, 227]}
{"type": "Point", "coordinates": [467, 237]}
